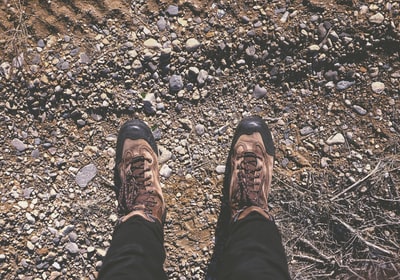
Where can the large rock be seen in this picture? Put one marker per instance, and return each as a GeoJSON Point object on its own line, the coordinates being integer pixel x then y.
{"type": "Point", "coordinates": [152, 44]}
{"type": "Point", "coordinates": [172, 10]}
{"type": "Point", "coordinates": [175, 83]}
{"type": "Point", "coordinates": [378, 18]}
{"type": "Point", "coordinates": [259, 92]}
{"type": "Point", "coordinates": [192, 44]}
{"type": "Point", "coordinates": [85, 175]}
{"type": "Point", "coordinates": [378, 87]}
{"type": "Point", "coordinates": [18, 144]}
{"type": "Point", "coordinates": [338, 138]}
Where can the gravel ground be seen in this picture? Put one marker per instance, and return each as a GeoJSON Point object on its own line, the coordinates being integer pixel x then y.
{"type": "Point", "coordinates": [325, 77]}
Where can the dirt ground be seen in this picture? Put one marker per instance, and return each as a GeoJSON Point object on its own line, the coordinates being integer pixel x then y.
{"type": "Point", "coordinates": [328, 234]}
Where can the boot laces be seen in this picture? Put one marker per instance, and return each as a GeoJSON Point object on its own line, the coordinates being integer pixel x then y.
{"type": "Point", "coordinates": [135, 192]}
{"type": "Point", "coordinates": [248, 174]}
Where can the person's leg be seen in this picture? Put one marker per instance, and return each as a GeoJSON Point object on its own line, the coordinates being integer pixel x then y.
{"type": "Point", "coordinates": [253, 249]}
{"type": "Point", "coordinates": [137, 250]}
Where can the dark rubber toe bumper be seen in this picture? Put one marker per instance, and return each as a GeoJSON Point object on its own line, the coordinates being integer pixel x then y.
{"type": "Point", "coordinates": [253, 124]}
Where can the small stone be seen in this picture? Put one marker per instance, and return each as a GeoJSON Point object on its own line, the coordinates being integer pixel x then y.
{"type": "Point", "coordinates": [373, 72]}
{"type": "Point", "coordinates": [23, 204]}
{"type": "Point", "coordinates": [5, 68]}
{"type": "Point", "coordinates": [148, 108]}
{"type": "Point", "coordinates": [67, 229]}
{"type": "Point", "coordinates": [220, 169]}
{"type": "Point", "coordinates": [18, 144]}
{"type": "Point", "coordinates": [137, 65]}
{"type": "Point", "coordinates": [200, 129]}
{"type": "Point", "coordinates": [186, 124]}
{"type": "Point", "coordinates": [378, 87]}
{"type": "Point", "coordinates": [331, 75]}
{"type": "Point", "coordinates": [245, 19]}
{"type": "Point", "coordinates": [96, 117]}
{"type": "Point", "coordinates": [74, 52]}
{"type": "Point", "coordinates": [80, 122]}
{"type": "Point", "coordinates": [314, 48]}
{"type": "Point", "coordinates": [84, 58]}
{"type": "Point", "coordinates": [165, 154]}
{"type": "Point", "coordinates": [152, 44]}
{"type": "Point", "coordinates": [157, 134]}
{"type": "Point", "coordinates": [162, 24]}
{"type": "Point", "coordinates": [113, 218]}
{"type": "Point", "coordinates": [30, 246]}
{"type": "Point", "coordinates": [172, 10]}
{"type": "Point", "coordinates": [165, 171]}
{"type": "Point", "coordinates": [101, 252]}
{"type": "Point", "coordinates": [90, 150]}
{"type": "Point", "coordinates": [132, 53]}
{"type": "Point", "coordinates": [175, 83]}
{"type": "Point", "coordinates": [73, 236]}
{"type": "Point", "coordinates": [192, 44]}
{"type": "Point", "coordinates": [251, 51]}
{"type": "Point", "coordinates": [65, 65]}
{"type": "Point", "coordinates": [324, 162]}
{"type": "Point", "coordinates": [257, 24]}
{"type": "Point", "coordinates": [284, 162]}
{"type": "Point", "coordinates": [395, 74]}
{"type": "Point", "coordinates": [2, 257]}
{"type": "Point", "coordinates": [259, 92]}
{"type": "Point", "coordinates": [336, 139]}
{"type": "Point", "coordinates": [377, 18]}
{"type": "Point", "coordinates": [360, 110]}
{"type": "Point", "coordinates": [284, 17]}
{"type": "Point", "coordinates": [202, 77]}
{"type": "Point", "coordinates": [56, 265]}
{"type": "Point", "coordinates": [193, 72]}
{"type": "Point", "coordinates": [306, 130]}
{"type": "Point", "coordinates": [30, 218]}
{"type": "Point", "coordinates": [72, 248]}
{"type": "Point", "coordinates": [55, 275]}
{"type": "Point", "coordinates": [90, 249]}
{"type": "Point", "coordinates": [321, 31]}
{"type": "Point", "coordinates": [85, 175]}
{"type": "Point", "coordinates": [342, 85]}
{"type": "Point", "coordinates": [99, 264]}
{"type": "Point", "coordinates": [41, 44]}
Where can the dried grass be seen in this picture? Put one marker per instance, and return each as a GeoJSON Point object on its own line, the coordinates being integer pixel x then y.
{"type": "Point", "coordinates": [16, 38]}
{"type": "Point", "coordinates": [338, 232]}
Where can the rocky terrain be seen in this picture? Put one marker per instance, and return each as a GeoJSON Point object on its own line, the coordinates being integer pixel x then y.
{"type": "Point", "coordinates": [325, 75]}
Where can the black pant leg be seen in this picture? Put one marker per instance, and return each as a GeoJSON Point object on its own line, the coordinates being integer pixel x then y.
{"type": "Point", "coordinates": [136, 251]}
{"type": "Point", "coordinates": [253, 251]}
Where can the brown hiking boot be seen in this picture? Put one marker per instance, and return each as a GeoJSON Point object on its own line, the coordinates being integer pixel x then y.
{"type": "Point", "coordinates": [250, 170]}
{"type": "Point", "coordinates": [136, 173]}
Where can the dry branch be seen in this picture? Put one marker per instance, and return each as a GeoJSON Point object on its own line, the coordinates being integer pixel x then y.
{"type": "Point", "coordinates": [366, 242]}
{"type": "Point", "coordinates": [316, 250]}
{"type": "Point", "coordinates": [309, 259]}
{"type": "Point", "coordinates": [358, 182]}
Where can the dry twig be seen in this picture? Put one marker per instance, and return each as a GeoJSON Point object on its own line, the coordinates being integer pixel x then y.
{"type": "Point", "coordinates": [316, 250]}
{"type": "Point", "coordinates": [366, 242]}
{"type": "Point", "coordinates": [377, 167]}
